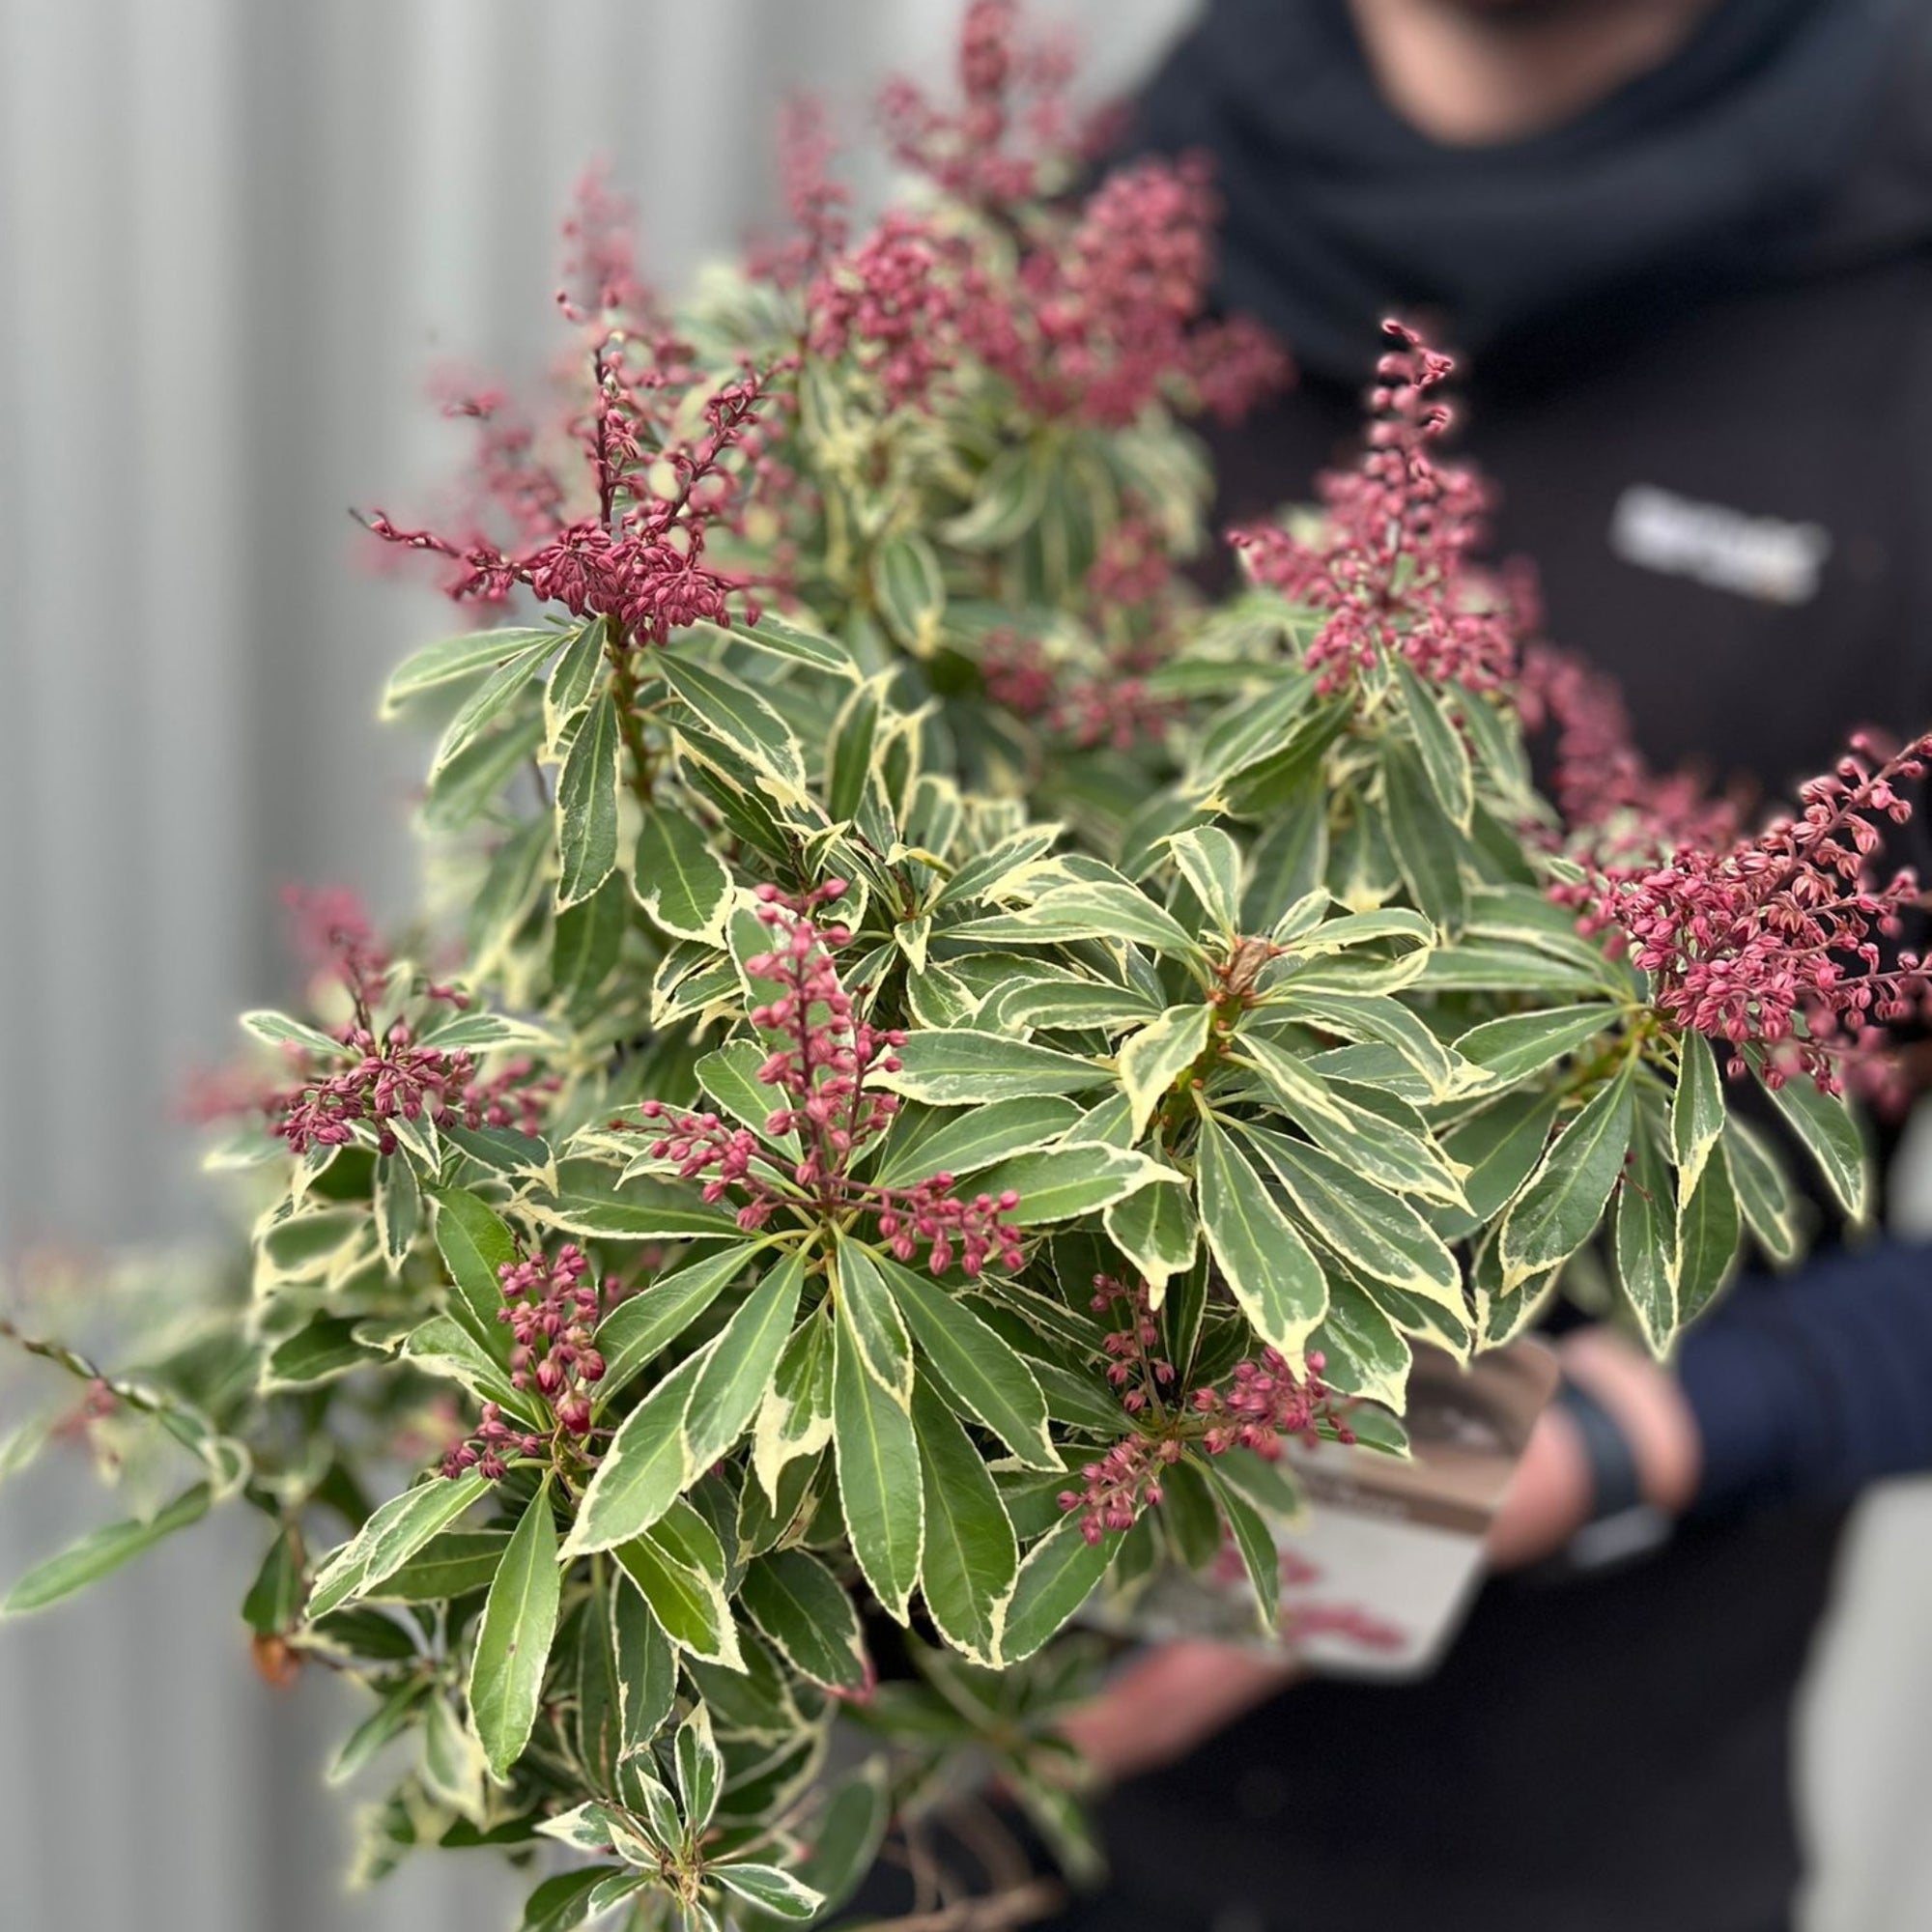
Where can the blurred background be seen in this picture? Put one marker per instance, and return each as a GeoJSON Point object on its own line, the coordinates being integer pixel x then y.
{"type": "Point", "coordinates": [235, 241]}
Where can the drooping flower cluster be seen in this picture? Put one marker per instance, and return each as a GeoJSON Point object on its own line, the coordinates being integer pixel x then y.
{"type": "Point", "coordinates": [1615, 808]}
{"type": "Point", "coordinates": [1112, 314]}
{"type": "Point", "coordinates": [552, 1310]}
{"type": "Point", "coordinates": [821, 1055]}
{"type": "Point", "coordinates": [628, 542]}
{"type": "Point", "coordinates": [1267, 1403]}
{"type": "Point", "coordinates": [1263, 1404]}
{"type": "Point", "coordinates": [1392, 565]}
{"type": "Point", "coordinates": [1774, 943]}
{"type": "Point", "coordinates": [1013, 134]}
{"type": "Point", "coordinates": [393, 1075]}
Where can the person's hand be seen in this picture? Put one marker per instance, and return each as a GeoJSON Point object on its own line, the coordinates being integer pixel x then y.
{"type": "Point", "coordinates": [1548, 1499]}
{"type": "Point", "coordinates": [1173, 1697]}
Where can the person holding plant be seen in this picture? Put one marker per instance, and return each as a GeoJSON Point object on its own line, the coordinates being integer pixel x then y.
{"type": "Point", "coordinates": [1682, 245]}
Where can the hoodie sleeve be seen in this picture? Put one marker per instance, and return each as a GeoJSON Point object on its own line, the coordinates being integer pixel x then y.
{"type": "Point", "coordinates": [1809, 1388]}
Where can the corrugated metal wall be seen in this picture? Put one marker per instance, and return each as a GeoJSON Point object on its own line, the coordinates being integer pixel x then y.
{"type": "Point", "coordinates": [234, 236]}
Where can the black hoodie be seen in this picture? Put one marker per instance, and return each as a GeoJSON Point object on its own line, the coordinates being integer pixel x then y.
{"type": "Point", "coordinates": [1698, 334]}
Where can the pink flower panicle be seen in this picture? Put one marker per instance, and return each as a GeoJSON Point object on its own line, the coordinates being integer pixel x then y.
{"type": "Point", "coordinates": [394, 1078]}
{"type": "Point", "coordinates": [628, 544]}
{"type": "Point", "coordinates": [1267, 1403]}
{"type": "Point", "coordinates": [638, 560]}
{"type": "Point", "coordinates": [1014, 135]}
{"type": "Point", "coordinates": [892, 304]}
{"type": "Point", "coordinates": [819, 204]}
{"type": "Point", "coordinates": [818, 1065]}
{"type": "Point", "coordinates": [1615, 807]}
{"type": "Point", "coordinates": [1264, 1405]}
{"type": "Point", "coordinates": [1115, 707]}
{"type": "Point", "coordinates": [1112, 314]}
{"type": "Point", "coordinates": [1772, 945]}
{"type": "Point", "coordinates": [552, 1310]}
{"type": "Point", "coordinates": [393, 1075]}
{"type": "Point", "coordinates": [1111, 309]}
{"type": "Point", "coordinates": [1392, 565]}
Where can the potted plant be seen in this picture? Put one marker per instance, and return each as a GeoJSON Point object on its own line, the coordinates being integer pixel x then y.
{"type": "Point", "coordinates": [953, 1048]}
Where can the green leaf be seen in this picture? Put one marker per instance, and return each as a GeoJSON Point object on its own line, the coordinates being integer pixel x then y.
{"type": "Point", "coordinates": [590, 1199]}
{"type": "Point", "coordinates": [473, 781]}
{"type": "Point", "coordinates": [563, 1903]}
{"type": "Point", "coordinates": [275, 1597]}
{"type": "Point", "coordinates": [513, 1640]}
{"type": "Point", "coordinates": [1445, 761]}
{"type": "Point", "coordinates": [1154, 1057]}
{"type": "Point", "coordinates": [741, 1364]}
{"type": "Point", "coordinates": [101, 1553]}
{"type": "Point", "coordinates": [1065, 1183]}
{"type": "Point", "coordinates": [490, 701]}
{"type": "Point", "coordinates": [647, 1666]}
{"type": "Point", "coordinates": [322, 1348]}
{"type": "Point", "coordinates": [687, 1603]}
{"type": "Point", "coordinates": [637, 1327]}
{"type": "Point", "coordinates": [1104, 909]}
{"type": "Point", "coordinates": [444, 1346]}
{"type": "Point", "coordinates": [448, 1566]}
{"type": "Point", "coordinates": [1211, 862]}
{"type": "Point", "coordinates": [798, 1604]}
{"type": "Point", "coordinates": [1248, 730]}
{"type": "Point", "coordinates": [769, 1889]}
{"type": "Point", "coordinates": [1061, 1571]}
{"type": "Point", "coordinates": [740, 719]}
{"type": "Point", "coordinates": [1708, 1228]}
{"type": "Point", "coordinates": [1646, 1240]}
{"type": "Point", "coordinates": [1157, 1230]}
{"type": "Point", "coordinates": [587, 944]}
{"type": "Point", "coordinates": [959, 1067]}
{"type": "Point", "coordinates": [450, 660]}
{"type": "Point", "coordinates": [586, 805]}
{"type": "Point", "coordinates": [1559, 1210]}
{"type": "Point", "coordinates": [783, 638]}
{"type": "Point", "coordinates": [1427, 845]}
{"type": "Point", "coordinates": [846, 1834]}
{"type": "Point", "coordinates": [1499, 1148]}
{"type": "Point", "coordinates": [1369, 1127]}
{"type": "Point", "coordinates": [700, 1770]}
{"type": "Point", "coordinates": [796, 1416]}
{"type": "Point", "coordinates": [1255, 1541]}
{"type": "Point", "coordinates": [645, 1469]}
{"type": "Point", "coordinates": [1770, 1205]}
{"type": "Point", "coordinates": [1375, 1016]}
{"type": "Point", "coordinates": [1363, 1351]}
{"type": "Point", "coordinates": [680, 882]}
{"type": "Point", "coordinates": [390, 1537]}
{"type": "Point", "coordinates": [911, 588]}
{"type": "Point", "coordinates": [923, 1144]}
{"type": "Point", "coordinates": [978, 1370]}
{"type": "Point", "coordinates": [1511, 1049]}
{"type": "Point", "coordinates": [877, 1327]}
{"type": "Point", "coordinates": [573, 680]}
{"type": "Point", "coordinates": [1829, 1135]}
{"type": "Point", "coordinates": [1698, 1109]}
{"type": "Point", "coordinates": [970, 1557]}
{"type": "Point", "coordinates": [279, 1030]}
{"type": "Point", "coordinates": [474, 1244]}
{"type": "Point", "coordinates": [1268, 1264]}
{"type": "Point", "coordinates": [879, 1483]}
{"type": "Point", "coordinates": [378, 1729]}
{"type": "Point", "coordinates": [1378, 1231]}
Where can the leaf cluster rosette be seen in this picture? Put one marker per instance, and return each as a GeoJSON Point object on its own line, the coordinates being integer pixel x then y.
{"type": "Point", "coordinates": [935, 1051]}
